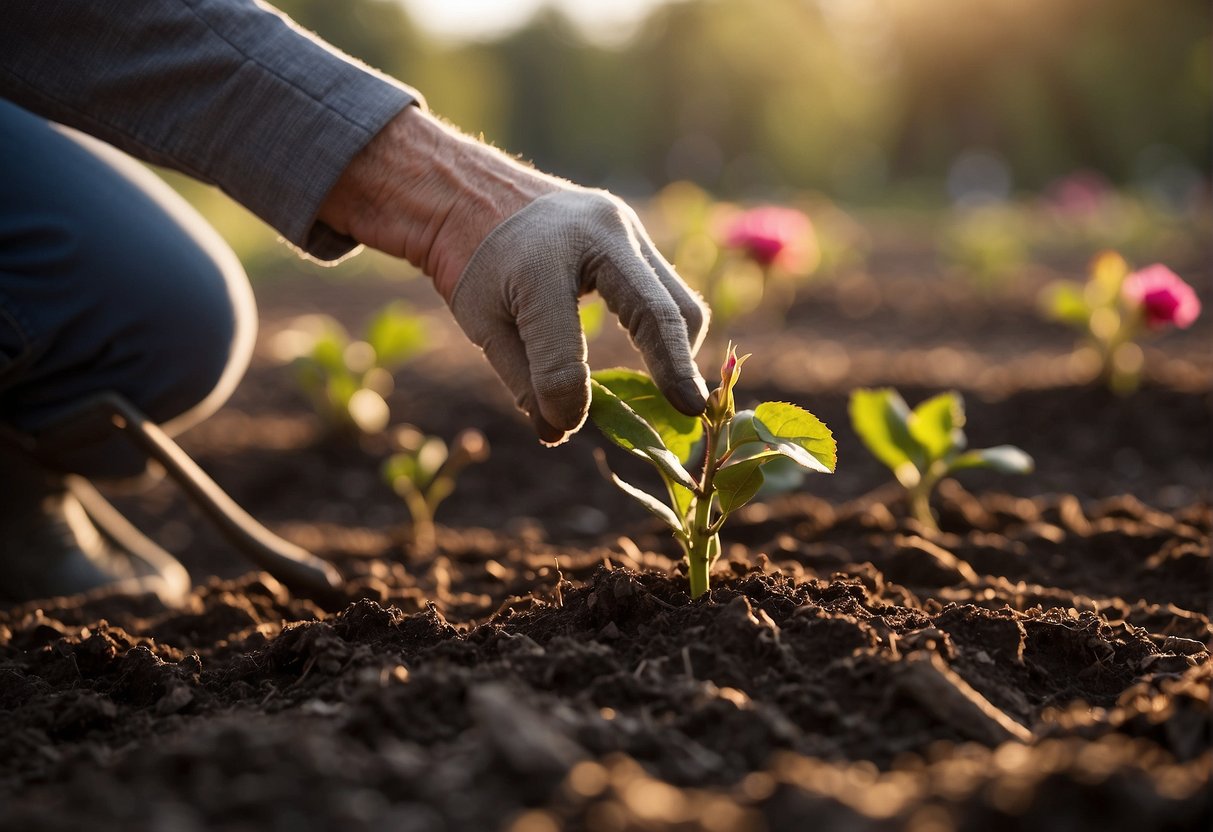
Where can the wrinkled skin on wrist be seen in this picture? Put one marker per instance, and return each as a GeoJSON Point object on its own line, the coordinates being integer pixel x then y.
{"type": "Point", "coordinates": [511, 249]}
{"type": "Point", "coordinates": [422, 191]}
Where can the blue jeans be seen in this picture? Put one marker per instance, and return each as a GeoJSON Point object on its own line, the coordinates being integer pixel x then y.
{"type": "Point", "coordinates": [109, 281]}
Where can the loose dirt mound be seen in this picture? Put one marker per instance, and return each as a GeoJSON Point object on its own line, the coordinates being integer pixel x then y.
{"type": "Point", "coordinates": [1041, 663]}
{"type": "Point", "coordinates": [606, 699]}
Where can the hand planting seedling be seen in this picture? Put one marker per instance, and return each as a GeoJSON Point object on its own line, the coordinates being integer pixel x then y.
{"type": "Point", "coordinates": [1114, 308]}
{"type": "Point", "coordinates": [735, 446]}
{"type": "Point", "coordinates": [423, 474]}
{"type": "Point", "coordinates": [347, 379]}
{"type": "Point", "coordinates": [926, 444]}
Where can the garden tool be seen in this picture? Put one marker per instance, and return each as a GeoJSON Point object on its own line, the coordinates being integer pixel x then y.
{"type": "Point", "coordinates": [295, 567]}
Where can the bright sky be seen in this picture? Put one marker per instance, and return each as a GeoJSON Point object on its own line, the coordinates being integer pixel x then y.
{"type": "Point", "coordinates": [477, 19]}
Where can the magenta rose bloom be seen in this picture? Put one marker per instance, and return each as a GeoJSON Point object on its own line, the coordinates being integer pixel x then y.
{"type": "Point", "coordinates": [1163, 296]}
{"type": "Point", "coordinates": [769, 234]}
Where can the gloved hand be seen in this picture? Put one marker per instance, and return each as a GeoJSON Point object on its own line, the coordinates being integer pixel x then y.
{"type": "Point", "coordinates": [517, 300]}
{"type": "Point", "coordinates": [512, 250]}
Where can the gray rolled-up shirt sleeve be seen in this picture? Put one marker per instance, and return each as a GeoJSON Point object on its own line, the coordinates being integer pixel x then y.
{"type": "Point", "coordinates": [230, 92]}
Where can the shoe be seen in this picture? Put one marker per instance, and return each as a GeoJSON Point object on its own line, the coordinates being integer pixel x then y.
{"type": "Point", "coordinates": [59, 536]}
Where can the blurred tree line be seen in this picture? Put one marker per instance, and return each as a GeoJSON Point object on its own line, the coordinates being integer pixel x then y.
{"type": "Point", "coordinates": [751, 97]}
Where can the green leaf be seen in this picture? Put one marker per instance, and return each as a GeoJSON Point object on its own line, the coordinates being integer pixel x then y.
{"type": "Point", "coordinates": [797, 434]}
{"type": "Point", "coordinates": [396, 334]}
{"type": "Point", "coordinates": [880, 417]}
{"type": "Point", "coordinates": [1005, 459]}
{"type": "Point", "coordinates": [1065, 301]}
{"type": "Point", "coordinates": [935, 423]}
{"type": "Point", "coordinates": [781, 475]}
{"type": "Point", "coordinates": [678, 432]}
{"type": "Point", "coordinates": [340, 389]}
{"type": "Point", "coordinates": [737, 484]}
{"type": "Point", "coordinates": [741, 429]}
{"type": "Point", "coordinates": [311, 376]}
{"type": "Point", "coordinates": [328, 350]}
{"type": "Point", "coordinates": [681, 498]}
{"type": "Point", "coordinates": [399, 466]}
{"type": "Point", "coordinates": [625, 427]}
{"type": "Point", "coordinates": [654, 506]}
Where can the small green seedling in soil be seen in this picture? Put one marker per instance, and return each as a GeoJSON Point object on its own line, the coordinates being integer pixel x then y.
{"type": "Point", "coordinates": [926, 444]}
{"type": "Point", "coordinates": [347, 379]}
{"type": "Point", "coordinates": [423, 474]}
{"type": "Point", "coordinates": [732, 447]}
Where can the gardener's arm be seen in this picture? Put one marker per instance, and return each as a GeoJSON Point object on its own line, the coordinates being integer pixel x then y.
{"type": "Point", "coordinates": [330, 153]}
{"type": "Point", "coordinates": [227, 91]}
{"type": "Point", "coordinates": [511, 250]}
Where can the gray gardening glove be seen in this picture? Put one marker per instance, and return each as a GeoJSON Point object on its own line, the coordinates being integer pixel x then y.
{"type": "Point", "coordinates": [511, 249]}
{"type": "Point", "coordinates": [517, 300]}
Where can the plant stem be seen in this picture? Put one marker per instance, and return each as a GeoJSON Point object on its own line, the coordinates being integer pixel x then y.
{"type": "Point", "coordinates": [698, 556]}
{"type": "Point", "coordinates": [920, 497]}
{"type": "Point", "coordinates": [425, 537]}
{"type": "Point", "coordinates": [920, 507]}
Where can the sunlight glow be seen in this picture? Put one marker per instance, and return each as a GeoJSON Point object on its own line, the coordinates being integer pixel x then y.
{"type": "Point", "coordinates": [461, 20]}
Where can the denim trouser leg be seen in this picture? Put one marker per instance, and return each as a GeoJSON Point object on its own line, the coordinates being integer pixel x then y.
{"type": "Point", "coordinates": [109, 281]}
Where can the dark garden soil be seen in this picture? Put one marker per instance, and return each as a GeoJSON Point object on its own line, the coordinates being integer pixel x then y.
{"type": "Point", "coordinates": [1041, 663]}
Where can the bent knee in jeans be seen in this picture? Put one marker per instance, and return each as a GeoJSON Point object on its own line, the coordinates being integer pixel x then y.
{"type": "Point", "coordinates": [109, 281]}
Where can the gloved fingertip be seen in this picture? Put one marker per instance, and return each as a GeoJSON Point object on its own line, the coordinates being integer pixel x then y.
{"type": "Point", "coordinates": [689, 396]}
{"type": "Point", "coordinates": [566, 412]}
{"type": "Point", "coordinates": [549, 434]}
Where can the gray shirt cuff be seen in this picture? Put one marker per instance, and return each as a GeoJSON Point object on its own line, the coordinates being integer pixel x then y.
{"type": "Point", "coordinates": [228, 91]}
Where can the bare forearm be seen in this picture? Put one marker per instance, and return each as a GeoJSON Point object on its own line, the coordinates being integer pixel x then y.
{"type": "Point", "coordinates": [423, 191]}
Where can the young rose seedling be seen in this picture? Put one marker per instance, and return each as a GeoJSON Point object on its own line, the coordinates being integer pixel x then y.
{"type": "Point", "coordinates": [926, 444]}
{"type": "Point", "coordinates": [630, 411]}
{"type": "Point", "coordinates": [1116, 307]}
{"type": "Point", "coordinates": [347, 379]}
{"type": "Point", "coordinates": [423, 474]}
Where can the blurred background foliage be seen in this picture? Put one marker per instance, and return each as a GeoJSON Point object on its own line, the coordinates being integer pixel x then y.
{"type": "Point", "coordinates": [872, 103]}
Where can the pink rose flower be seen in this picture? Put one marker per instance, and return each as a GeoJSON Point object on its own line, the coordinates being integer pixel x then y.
{"type": "Point", "coordinates": [770, 234]}
{"type": "Point", "coordinates": [1163, 296]}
